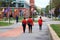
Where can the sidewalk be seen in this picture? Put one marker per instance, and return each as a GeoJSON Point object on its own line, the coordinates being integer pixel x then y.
{"type": "Point", "coordinates": [14, 32]}
{"type": "Point", "coordinates": [6, 28]}
{"type": "Point", "coordinates": [35, 35]}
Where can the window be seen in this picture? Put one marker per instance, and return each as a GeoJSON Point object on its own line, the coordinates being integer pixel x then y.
{"type": "Point", "coordinates": [3, 4]}
{"type": "Point", "coordinates": [20, 4]}
{"type": "Point", "coordinates": [13, 5]}
{"type": "Point", "coordinates": [14, 0]}
{"type": "Point", "coordinates": [7, 0]}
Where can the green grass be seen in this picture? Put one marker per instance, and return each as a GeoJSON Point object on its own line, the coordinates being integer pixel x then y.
{"type": "Point", "coordinates": [11, 19]}
{"type": "Point", "coordinates": [35, 20]}
{"type": "Point", "coordinates": [5, 24]}
{"type": "Point", "coordinates": [56, 27]}
{"type": "Point", "coordinates": [57, 19]}
{"type": "Point", "coordinates": [20, 19]}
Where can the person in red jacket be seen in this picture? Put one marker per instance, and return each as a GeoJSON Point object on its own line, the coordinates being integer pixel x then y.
{"type": "Point", "coordinates": [24, 22]}
{"type": "Point", "coordinates": [30, 24]}
{"type": "Point", "coordinates": [40, 23]}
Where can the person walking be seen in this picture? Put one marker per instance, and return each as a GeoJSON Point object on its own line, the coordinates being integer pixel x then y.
{"type": "Point", "coordinates": [30, 24]}
{"type": "Point", "coordinates": [40, 23]}
{"type": "Point", "coordinates": [24, 24]}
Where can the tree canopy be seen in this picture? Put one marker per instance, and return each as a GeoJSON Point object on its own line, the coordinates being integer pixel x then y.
{"type": "Point", "coordinates": [54, 4]}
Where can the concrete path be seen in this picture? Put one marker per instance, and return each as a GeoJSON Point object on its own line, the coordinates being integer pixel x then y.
{"type": "Point", "coordinates": [6, 28]}
{"type": "Point", "coordinates": [14, 32]}
{"type": "Point", "coordinates": [37, 34]}
{"type": "Point", "coordinates": [17, 34]}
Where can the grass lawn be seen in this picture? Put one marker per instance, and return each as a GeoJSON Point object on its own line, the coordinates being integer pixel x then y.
{"type": "Point", "coordinates": [5, 24]}
{"type": "Point", "coordinates": [20, 19]}
{"type": "Point", "coordinates": [11, 19]}
{"type": "Point", "coordinates": [56, 27]}
{"type": "Point", "coordinates": [36, 21]}
{"type": "Point", "coordinates": [57, 19]}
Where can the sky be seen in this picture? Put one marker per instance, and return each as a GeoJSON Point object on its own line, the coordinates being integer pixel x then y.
{"type": "Point", "coordinates": [41, 3]}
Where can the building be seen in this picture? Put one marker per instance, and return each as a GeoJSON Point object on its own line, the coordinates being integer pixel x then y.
{"type": "Point", "coordinates": [23, 7]}
{"type": "Point", "coordinates": [20, 5]}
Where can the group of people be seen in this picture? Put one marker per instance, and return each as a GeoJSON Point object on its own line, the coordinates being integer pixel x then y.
{"type": "Point", "coordinates": [30, 23]}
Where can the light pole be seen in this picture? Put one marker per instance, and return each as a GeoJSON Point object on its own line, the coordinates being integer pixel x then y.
{"type": "Point", "coordinates": [51, 8]}
{"type": "Point", "coordinates": [9, 11]}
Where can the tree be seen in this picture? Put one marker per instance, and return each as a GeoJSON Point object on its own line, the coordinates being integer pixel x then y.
{"type": "Point", "coordinates": [55, 4]}
{"type": "Point", "coordinates": [57, 7]}
{"type": "Point", "coordinates": [4, 3]}
{"type": "Point", "coordinates": [0, 3]}
{"type": "Point", "coordinates": [47, 8]}
{"type": "Point", "coordinates": [37, 9]}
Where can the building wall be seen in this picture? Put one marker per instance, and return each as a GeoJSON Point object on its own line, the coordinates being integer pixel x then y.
{"type": "Point", "coordinates": [17, 12]}
{"type": "Point", "coordinates": [26, 8]}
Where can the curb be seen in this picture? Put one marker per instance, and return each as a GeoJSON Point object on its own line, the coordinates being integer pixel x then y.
{"type": "Point", "coordinates": [53, 33]}
{"type": "Point", "coordinates": [11, 26]}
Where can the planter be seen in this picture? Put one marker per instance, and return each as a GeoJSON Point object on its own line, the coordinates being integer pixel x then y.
{"type": "Point", "coordinates": [53, 33]}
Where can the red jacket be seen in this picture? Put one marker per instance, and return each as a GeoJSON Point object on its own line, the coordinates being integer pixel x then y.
{"type": "Point", "coordinates": [24, 21]}
{"type": "Point", "coordinates": [40, 21]}
{"type": "Point", "coordinates": [30, 20]}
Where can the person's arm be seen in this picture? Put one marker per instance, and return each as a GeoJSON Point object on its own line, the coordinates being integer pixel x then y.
{"type": "Point", "coordinates": [26, 21]}
{"type": "Point", "coordinates": [32, 23]}
{"type": "Point", "coordinates": [41, 20]}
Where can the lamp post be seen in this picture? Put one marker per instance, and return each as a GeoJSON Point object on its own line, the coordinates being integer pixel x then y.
{"type": "Point", "coordinates": [51, 8]}
{"type": "Point", "coordinates": [9, 11]}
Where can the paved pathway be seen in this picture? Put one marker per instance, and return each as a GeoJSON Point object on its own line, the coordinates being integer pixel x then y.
{"type": "Point", "coordinates": [14, 32]}
{"type": "Point", "coordinates": [36, 35]}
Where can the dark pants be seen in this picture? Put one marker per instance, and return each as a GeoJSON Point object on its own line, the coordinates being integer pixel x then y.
{"type": "Point", "coordinates": [16, 19]}
{"type": "Point", "coordinates": [30, 28]}
{"type": "Point", "coordinates": [24, 27]}
{"type": "Point", "coordinates": [40, 27]}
